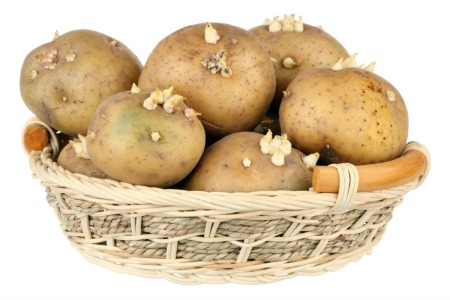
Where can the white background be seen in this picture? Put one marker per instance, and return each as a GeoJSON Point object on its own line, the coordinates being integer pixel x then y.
{"type": "Point", "coordinates": [407, 39]}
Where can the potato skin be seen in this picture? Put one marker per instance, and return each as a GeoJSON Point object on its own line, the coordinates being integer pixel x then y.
{"type": "Point", "coordinates": [348, 110]}
{"type": "Point", "coordinates": [68, 159]}
{"type": "Point", "coordinates": [220, 168]}
{"type": "Point", "coordinates": [119, 141]}
{"type": "Point", "coordinates": [227, 104]}
{"type": "Point", "coordinates": [311, 48]}
{"type": "Point", "coordinates": [66, 97]}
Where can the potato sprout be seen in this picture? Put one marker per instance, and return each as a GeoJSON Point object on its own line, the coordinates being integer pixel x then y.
{"type": "Point", "coordinates": [155, 136]}
{"type": "Point", "coordinates": [48, 59]}
{"type": "Point", "coordinates": [278, 147]}
{"type": "Point", "coordinates": [246, 162]}
{"type": "Point", "coordinates": [79, 146]}
{"type": "Point", "coordinates": [32, 74]}
{"type": "Point", "coordinates": [350, 62]}
{"type": "Point", "coordinates": [135, 89]}
{"type": "Point", "coordinates": [164, 98]}
{"type": "Point", "coordinates": [217, 63]}
{"type": "Point", "coordinates": [289, 62]}
{"type": "Point", "coordinates": [70, 57]}
{"type": "Point", "coordinates": [288, 24]}
{"type": "Point", "coordinates": [211, 35]}
{"type": "Point", "coordinates": [169, 102]}
{"type": "Point", "coordinates": [310, 161]}
{"type": "Point", "coordinates": [391, 95]}
{"type": "Point", "coordinates": [265, 142]}
{"type": "Point", "coordinates": [191, 114]}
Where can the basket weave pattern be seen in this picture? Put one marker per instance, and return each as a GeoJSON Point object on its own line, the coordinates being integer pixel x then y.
{"type": "Point", "coordinates": [199, 237]}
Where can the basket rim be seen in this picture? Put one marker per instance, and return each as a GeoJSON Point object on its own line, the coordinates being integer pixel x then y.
{"type": "Point", "coordinates": [116, 193]}
{"type": "Point", "coordinates": [113, 192]}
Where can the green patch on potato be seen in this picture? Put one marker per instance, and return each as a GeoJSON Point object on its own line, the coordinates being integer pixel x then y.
{"type": "Point", "coordinates": [132, 140]}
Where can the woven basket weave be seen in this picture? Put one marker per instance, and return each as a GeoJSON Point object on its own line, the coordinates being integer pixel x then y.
{"type": "Point", "coordinates": [200, 237]}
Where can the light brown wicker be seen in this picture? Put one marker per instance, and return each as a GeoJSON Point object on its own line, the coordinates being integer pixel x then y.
{"type": "Point", "coordinates": [200, 237]}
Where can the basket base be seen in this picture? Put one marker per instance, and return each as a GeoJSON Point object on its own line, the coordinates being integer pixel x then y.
{"type": "Point", "coordinates": [184, 271]}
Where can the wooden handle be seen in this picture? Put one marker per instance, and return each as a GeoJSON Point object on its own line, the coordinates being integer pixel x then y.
{"type": "Point", "coordinates": [375, 176]}
{"type": "Point", "coordinates": [35, 137]}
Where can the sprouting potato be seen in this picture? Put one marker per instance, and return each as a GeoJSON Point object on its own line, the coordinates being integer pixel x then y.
{"type": "Point", "coordinates": [62, 82]}
{"type": "Point", "coordinates": [236, 163]}
{"type": "Point", "coordinates": [346, 114]}
{"type": "Point", "coordinates": [221, 70]}
{"type": "Point", "coordinates": [73, 157]}
{"type": "Point", "coordinates": [146, 137]}
{"type": "Point", "coordinates": [295, 47]}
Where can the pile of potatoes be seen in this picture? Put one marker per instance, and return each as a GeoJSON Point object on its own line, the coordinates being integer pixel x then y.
{"type": "Point", "coordinates": [215, 107]}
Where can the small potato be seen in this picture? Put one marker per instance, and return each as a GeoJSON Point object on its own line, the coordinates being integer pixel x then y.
{"type": "Point", "coordinates": [294, 52]}
{"type": "Point", "coordinates": [349, 115]}
{"type": "Point", "coordinates": [139, 141]}
{"type": "Point", "coordinates": [230, 81]}
{"type": "Point", "coordinates": [62, 82]}
{"type": "Point", "coordinates": [236, 164]}
{"type": "Point", "coordinates": [69, 160]}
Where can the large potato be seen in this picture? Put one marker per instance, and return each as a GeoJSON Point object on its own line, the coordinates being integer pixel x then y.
{"type": "Point", "coordinates": [234, 102]}
{"type": "Point", "coordinates": [144, 146]}
{"type": "Point", "coordinates": [294, 52]}
{"type": "Point", "coordinates": [222, 167]}
{"type": "Point", "coordinates": [62, 82]}
{"type": "Point", "coordinates": [351, 115]}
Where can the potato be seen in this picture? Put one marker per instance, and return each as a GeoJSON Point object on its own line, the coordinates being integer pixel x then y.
{"type": "Point", "coordinates": [294, 52]}
{"type": "Point", "coordinates": [74, 162]}
{"type": "Point", "coordinates": [230, 82]}
{"type": "Point", "coordinates": [62, 82]}
{"type": "Point", "coordinates": [351, 115]}
{"type": "Point", "coordinates": [235, 163]}
{"type": "Point", "coordinates": [157, 145]}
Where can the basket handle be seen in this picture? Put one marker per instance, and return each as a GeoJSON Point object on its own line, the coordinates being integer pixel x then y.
{"type": "Point", "coordinates": [36, 135]}
{"type": "Point", "coordinates": [412, 164]}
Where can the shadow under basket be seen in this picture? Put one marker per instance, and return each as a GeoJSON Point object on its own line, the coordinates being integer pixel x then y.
{"type": "Point", "coordinates": [201, 237]}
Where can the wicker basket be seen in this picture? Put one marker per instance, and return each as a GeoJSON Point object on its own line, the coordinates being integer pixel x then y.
{"type": "Point", "coordinates": [200, 237]}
